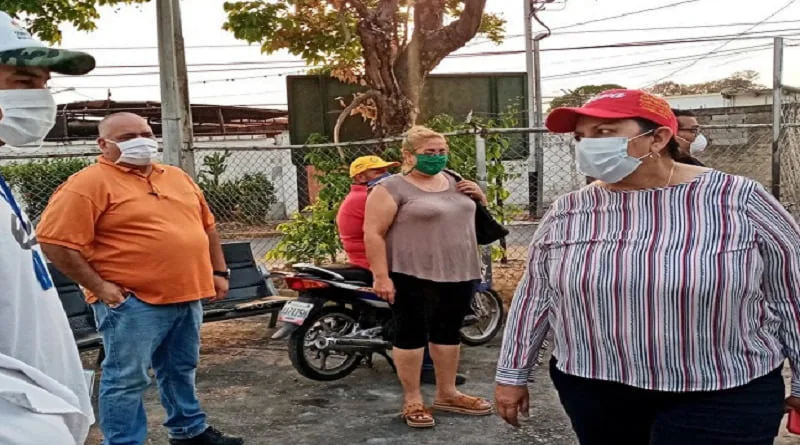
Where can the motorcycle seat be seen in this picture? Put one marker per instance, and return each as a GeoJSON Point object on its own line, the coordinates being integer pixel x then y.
{"type": "Point", "coordinates": [352, 273]}
{"type": "Point", "coordinates": [338, 272]}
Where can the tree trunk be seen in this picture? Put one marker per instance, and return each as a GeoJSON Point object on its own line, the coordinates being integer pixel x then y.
{"type": "Point", "coordinates": [398, 74]}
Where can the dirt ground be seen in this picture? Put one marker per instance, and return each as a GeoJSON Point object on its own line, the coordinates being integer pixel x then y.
{"type": "Point", "coordinates": [248, 387]}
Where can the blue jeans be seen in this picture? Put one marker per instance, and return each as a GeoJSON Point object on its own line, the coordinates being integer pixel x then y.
{"type": "Point", "coordinates": [136, 337]}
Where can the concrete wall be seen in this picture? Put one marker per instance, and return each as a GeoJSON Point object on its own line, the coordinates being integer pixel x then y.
{"type": "Point", "coordinates": [740, 151]}
{"type": "Point", "coordinates": [716, 100]}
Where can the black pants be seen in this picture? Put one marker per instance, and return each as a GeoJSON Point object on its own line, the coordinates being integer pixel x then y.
{"type": "Point", "coordinates": [426, 311]}
{"type": "Point", "coordinates": [605, 413]}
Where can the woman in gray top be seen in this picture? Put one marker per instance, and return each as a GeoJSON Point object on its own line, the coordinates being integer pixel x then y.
{"type": "Point", "coordinates": [419, 232]}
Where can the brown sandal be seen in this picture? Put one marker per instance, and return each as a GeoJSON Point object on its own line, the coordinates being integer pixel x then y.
{"type": "Point", "coordinates": [464, 404]}
{"type": "Point", "coordinates": [417, 416]}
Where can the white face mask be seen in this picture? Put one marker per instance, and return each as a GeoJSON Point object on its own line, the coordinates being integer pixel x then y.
{"type": "Point", "coordinates": [699, 144]}
{"type": "Point", "coordinates": [28, 115]}
{"type": "Point", "coordinates": [139, 151]}
{"type": "Point", "coordinates": [607, 159]}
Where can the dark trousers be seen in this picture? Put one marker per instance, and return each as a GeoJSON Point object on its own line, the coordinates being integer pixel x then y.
{"type": "Point", "coordinates": [366, 276]}
{"type": "Point", "coordinates": [604, 413]}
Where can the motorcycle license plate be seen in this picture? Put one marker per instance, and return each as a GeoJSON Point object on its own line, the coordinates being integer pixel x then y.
{"type": "Point", "coordinates": [295, 312]}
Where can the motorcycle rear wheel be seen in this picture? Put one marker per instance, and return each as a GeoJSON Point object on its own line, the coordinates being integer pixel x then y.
{"type": "Point", "coordinates": [330, 320]}
{"type": "Point", "coordinates": [488, 307]}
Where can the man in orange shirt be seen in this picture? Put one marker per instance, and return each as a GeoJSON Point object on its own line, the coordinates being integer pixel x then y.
{"type": "Point", "coordinates": [140, 238]}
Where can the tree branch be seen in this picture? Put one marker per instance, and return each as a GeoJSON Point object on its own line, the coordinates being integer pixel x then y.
{"type": "Point", "coordinates": [439, 44]}
{"type": "Point", "coordinates": [362, 9]}
{"type": "Point", "coordinates": [371, 94]}
{"type": "Point", "coordinates": [386, 10]}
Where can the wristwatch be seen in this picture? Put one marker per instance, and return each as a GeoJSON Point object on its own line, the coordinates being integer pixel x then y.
{"type": "Point", "coordinates": [224, 274]}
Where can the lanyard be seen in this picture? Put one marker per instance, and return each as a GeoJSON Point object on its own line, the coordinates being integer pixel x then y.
{"type": "Point", "coordinates": [6, 192]}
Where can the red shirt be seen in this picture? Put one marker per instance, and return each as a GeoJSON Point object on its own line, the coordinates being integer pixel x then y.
{"type": "Point", "coordinates": [350, 221]}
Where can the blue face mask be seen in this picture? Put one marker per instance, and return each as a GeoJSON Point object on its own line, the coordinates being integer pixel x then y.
{"type": "Point", "coordinates": [378, 179]}
{"type": "Point", "coordinates": [606, 159]}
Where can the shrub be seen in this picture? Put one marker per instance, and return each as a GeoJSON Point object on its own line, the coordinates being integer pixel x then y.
{"type": "Point", "coordinates": [245, 199]}
{"type": "Point", "coordinates": [35, 182]}
{"type": "Point", "coordinates": [312, 236]}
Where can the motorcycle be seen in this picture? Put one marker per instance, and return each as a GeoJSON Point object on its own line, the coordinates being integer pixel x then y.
{"type": "Point", "coordinates": [337, 322]}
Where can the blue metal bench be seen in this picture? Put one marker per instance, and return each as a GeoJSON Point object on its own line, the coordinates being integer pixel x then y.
{"type": "Point", "coordinates": [249, 295]}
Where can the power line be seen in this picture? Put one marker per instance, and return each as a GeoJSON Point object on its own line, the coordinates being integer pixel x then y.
{"type": "Point", "coordinates": [695, 62]}
{"type": "Point", "coordinates": [220, 70]}
{"type": "Point", "coordinates": [647, 64]}
{"type": "Point", "coordinates": [300, 64]}
{"type": "Point", "coordinates": [626, 14]}
{"type": "Point", "coordinates": [661, 28]}
{"type": "Point", "coordinates": [739, 36]}
{"type": "Point", "coordinates": [245, 62]}
{"type": "Point", "coordinates": [156, 107]}
{"type": "Point", "coordinates": [199, 82]}
{"type": "Point", "coordinates": [601, 70]}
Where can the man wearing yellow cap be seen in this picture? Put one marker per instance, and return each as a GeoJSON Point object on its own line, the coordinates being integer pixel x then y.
{"type": "Point", "coordinates": [367, 171]}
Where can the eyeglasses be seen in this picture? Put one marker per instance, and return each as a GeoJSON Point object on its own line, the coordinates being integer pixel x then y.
{"type": "Point", "coordinates": [694, 131]}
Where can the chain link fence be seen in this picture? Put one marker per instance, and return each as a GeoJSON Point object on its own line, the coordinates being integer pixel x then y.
{"type": "Point", "coordinates": [283, 199]}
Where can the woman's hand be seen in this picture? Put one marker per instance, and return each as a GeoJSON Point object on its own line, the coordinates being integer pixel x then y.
{"type": "Point", "coordinates": [384, 288]}
{"type": "Point", "coordinates": [472, 190]}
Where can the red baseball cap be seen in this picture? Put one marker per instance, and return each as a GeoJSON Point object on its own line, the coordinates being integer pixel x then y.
{"type": "Point", "coordinates": [614, 104]}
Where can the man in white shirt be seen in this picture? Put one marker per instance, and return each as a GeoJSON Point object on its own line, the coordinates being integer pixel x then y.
{"type": "Point", "coordinates": [43, 394]}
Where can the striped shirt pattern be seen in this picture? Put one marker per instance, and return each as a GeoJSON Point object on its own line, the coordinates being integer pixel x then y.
{"type": "Point", "coordinates": [693, 287]}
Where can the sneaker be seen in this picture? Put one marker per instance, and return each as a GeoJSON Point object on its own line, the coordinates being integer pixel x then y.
{"type": "Point", "coordinates": [428, 377]}
{"type": "Point", "coordinates": [210, 436]}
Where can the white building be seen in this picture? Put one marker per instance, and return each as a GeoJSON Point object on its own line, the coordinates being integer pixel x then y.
{"type": "Point", "coordinates": [731, 99]}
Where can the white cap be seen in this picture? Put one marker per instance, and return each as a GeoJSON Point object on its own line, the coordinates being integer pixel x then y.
{"type": "Point", "coordinates": [19, 48]}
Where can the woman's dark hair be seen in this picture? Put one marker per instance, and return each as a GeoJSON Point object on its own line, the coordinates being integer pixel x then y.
{"type": "Point", "coordinates": [673, 149]}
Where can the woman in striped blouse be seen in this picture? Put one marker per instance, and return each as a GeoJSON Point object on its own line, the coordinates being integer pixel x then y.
{"type": "Point", "coordinates": [673, 291]}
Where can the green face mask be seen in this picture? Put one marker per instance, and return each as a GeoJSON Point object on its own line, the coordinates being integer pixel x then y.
{"type": "Point", "coordinates": [430, 164]}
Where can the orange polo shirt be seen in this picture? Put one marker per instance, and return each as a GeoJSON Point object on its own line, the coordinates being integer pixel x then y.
{"type": "Point", "coordinates": [144, 233]}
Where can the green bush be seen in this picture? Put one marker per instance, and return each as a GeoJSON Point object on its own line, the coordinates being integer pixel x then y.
{"type": "Point", "coordinates": [35, 182]}
{"type": "Point", "coordinates": [246, 199]}
{"type": "Point", "coordinates": [311, 235]}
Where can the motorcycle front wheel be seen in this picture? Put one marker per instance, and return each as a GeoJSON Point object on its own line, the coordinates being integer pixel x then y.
{"type": "Point", "coordinates": [328, 364]}
{"type": "Point", "coordinates": [487, 308]}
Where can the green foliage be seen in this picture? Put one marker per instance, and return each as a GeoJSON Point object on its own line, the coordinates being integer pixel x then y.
{"type": "Point", "coordinates": [42, 17]}
{"type": "Point", "coordinates": [462, 159]}
{"type": "Point", "coordinates": [324, 32]}
{"type": "Point", "coordinates": [35, 182]}
{"type": "Point", "coordinates": [245, 199]}
{"type": "Point", "coordinates": [580, 95]}
{"type": "Point", "coordinates": [311, 235]}
{"type": "Point", "coordinates": [462, 154]}
{"type": "Point", "coordinates": [738, 81]}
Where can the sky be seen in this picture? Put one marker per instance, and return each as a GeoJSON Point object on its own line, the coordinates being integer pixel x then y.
{"type": "Point", "coordinates": [232, 83]}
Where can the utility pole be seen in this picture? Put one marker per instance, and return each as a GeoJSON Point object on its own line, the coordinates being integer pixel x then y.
{"type": "Point", "coordinates": [187, 154]}
{"type": "Point", "coordinates": [175, 114]}
{"type": "Point", "coordinates": [534, 171]}
{"type": "Point", "coordinates": [777, 114]}
{"type": "Point", "coordinates": [538, 122]}
{"type": "Point", "coordinates": [535, 112]}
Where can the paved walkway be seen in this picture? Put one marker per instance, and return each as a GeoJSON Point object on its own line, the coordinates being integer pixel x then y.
{"type": "Point", "coordinates": [249, 388]}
